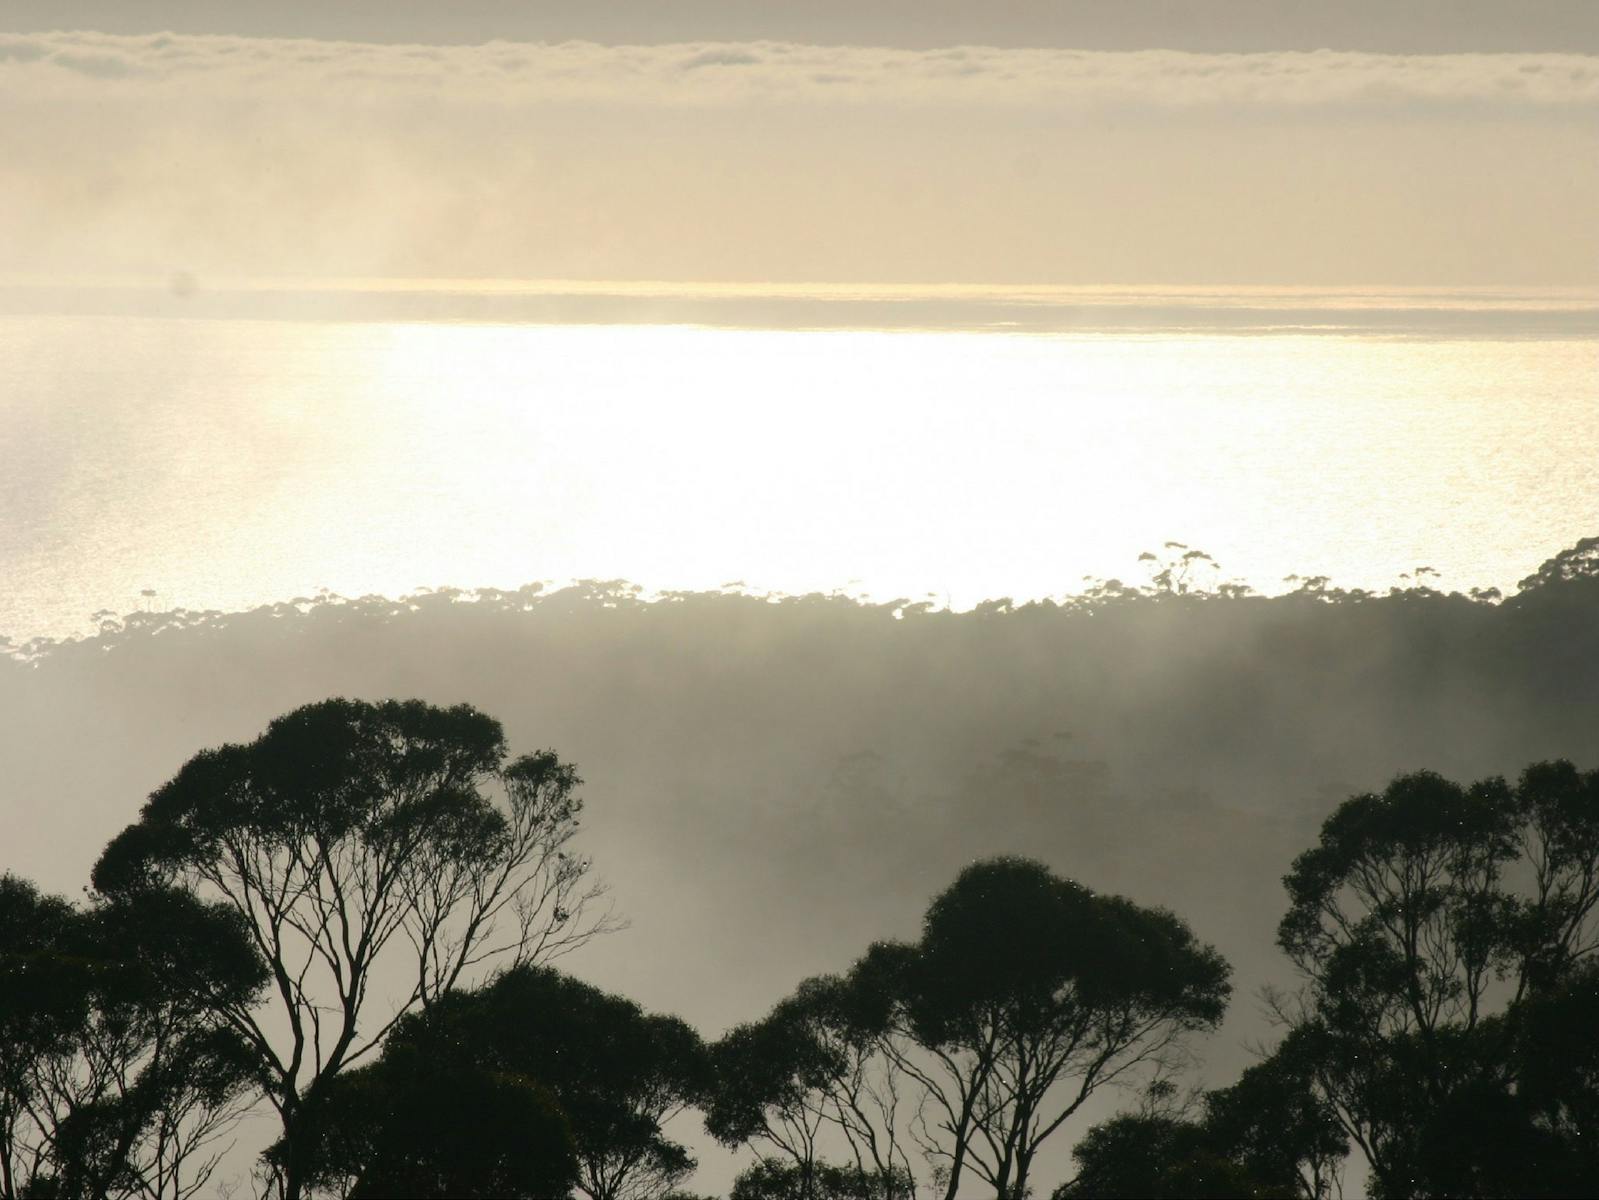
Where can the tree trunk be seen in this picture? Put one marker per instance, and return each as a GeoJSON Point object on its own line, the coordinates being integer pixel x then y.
{"type": "Point", "coordinates": [296, 1136]}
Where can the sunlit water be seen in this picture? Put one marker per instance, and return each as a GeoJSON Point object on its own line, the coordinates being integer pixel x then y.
{"type": "Point", "coordinates": [223, 463]}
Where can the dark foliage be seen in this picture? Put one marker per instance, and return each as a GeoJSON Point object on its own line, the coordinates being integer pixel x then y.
{"type": "Point", "coordinates": [1278, 1128]}
{"type": "Point", "coordinates": [1441, 931]}
{"type": "Point", "coordinates": [770, 1179]}
{"type": "Point", "coordinates": [424, 1125]}
{"type": "Point", "coordinates": [361, 842]}
{"type": "Point", "coordinates": [1025, 994]}
{"type": "Point", "coordinates": [615, 1074]}
{"type": "Point", "coordinates": [118, 1071]}
{"type": "Point", "coordinates": [1161, 1158]}
{"type": "Point", "coordinates": [815, 1068]}
{"type": "Point", "coordinates": [1268, 1135]}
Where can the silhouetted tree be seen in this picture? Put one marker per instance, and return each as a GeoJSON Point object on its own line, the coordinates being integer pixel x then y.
{"type": "Point", "coordinates": [1160, 1158]}
{"type": "Point", "coordinates": [1428, 923]}
{"type": "Point", "coordinates": [813, 1067]}
{"type": "Point", "coordinates": [1279, 1128]}
{"type": "Point", "coordinates": [1580, 561]}
{"type": "Point", "coordinates": [1268, 1135]}
{"type": "Point", "coordinates": [1025, 994]}
{"type": "Point", "coordinates": [44, 1002]}
{"type": "Point", "coordinates": [771, 1179]}
{"type": "Point", "coordinates": [1179, 570]}
{"type": "Point", "coordinates": [768, 1078]}
{"type": "Point", "coordinates": [361, 846]}
{"type": "Point", "coordinates": [117, 1076]}
{"type": "Point", "coordinates": [424, 1122]}
{"type": "Point", "coordinates": [1556, 1064]}
{"type": "Point", "coordinates": [617, 1074]}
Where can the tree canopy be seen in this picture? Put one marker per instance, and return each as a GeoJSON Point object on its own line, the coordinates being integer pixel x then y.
{"type": "Point", "coordinates": [427, 1122]}
{"type": "Point", "coordinates": [118, 1072]}
{"type": "Point", "coordinates": [620, 1074]}
{"type": "Point", "coordinates": [1432, 924]}
{"type": "Point", "coordinates": [359, 843]}
{"type": "Point", "coordinates": [535, 1084]}
{"type": "Point", "coordinates": [1025, 994]}
{"type": "Point", "coordinates": [811, 1072]}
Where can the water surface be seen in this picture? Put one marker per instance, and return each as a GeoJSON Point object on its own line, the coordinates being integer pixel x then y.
{"type": "Point", "coordinates": [223, 461]}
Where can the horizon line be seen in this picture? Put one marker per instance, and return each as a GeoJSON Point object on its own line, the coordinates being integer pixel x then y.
{"type": "Point", "coordinates": [1351, 294]}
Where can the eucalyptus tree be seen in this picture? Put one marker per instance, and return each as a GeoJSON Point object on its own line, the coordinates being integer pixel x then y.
{"type": "Point", "coordinates": [612, 1076]}
{"type": "Point", "coordinates": [425, 1122]}
{"type": "Point", "coordinates": [378, 856]}
{"type": "Point", "coordinates": [1556, 1061]}
{"type": "Point", "coordinates": [1268, 1135]}
{"type": "Point", "coordinates": [619, 1074]}
{"type": "Point", "coordinates": [1025, 995]}
{"type": "Point", "coordinates": [44, 1000]}
{"type": "Point", "coordinates": [809, 1075]}
{"type": "Point", "coordinates": [1276, 1124]}
{"type": "Point", "coordinates": [1428, 924]}
{"type": "Point", "coordinates": [117, 1076]}
{"type": "Point", "coordinates": [1150, 1156]}
{"type": "Point", "coordinates": [775, 1179]}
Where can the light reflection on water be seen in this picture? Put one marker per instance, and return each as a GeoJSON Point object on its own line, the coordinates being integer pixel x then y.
{"type": "Point", "coordinates": [224, 463]}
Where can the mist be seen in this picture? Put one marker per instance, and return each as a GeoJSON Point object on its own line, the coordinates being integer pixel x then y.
{"type": "Point", "coordinates": [772, 783]}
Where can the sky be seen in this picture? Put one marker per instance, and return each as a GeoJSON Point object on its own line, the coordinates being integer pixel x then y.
{"type": "Point", "coordinates": [1386, 26]}
{"type": "Point", "coordinates": [1066, 143]}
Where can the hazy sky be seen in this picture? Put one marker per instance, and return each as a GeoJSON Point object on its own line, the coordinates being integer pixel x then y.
{"type": "Point", "coordinates": [1052, 143]}
{"type": "Point", "coordinates": [1393, 26]}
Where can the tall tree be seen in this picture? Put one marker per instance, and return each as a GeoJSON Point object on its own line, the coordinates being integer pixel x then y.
{"type": "Point", "coordinates": [1268, 1135]}
{"type": "Point", "coordinates": [44, 1003]}
{"type": "Point", "coordinates": [1425, 924]}
{"type": "Point", "coordinates": [426, 1122]}
{"type": "Point", "coordinates": [1147, 1156]}
{"type": "Point", "coordinates": [377, 854]}
{"type": "Point", "coordinates": [813, 1071]}
{"type": "Point", "coordinates": [620, 1074]}
{"type": "Point", "coordinates": [1279, 1128]}
{"type": "Point", "coordinates": [615, 1074]}
{"type": "Point", "coordinates": [1025, 995]}
{"type": "Point", "coordinates": [1556, 1063]}
{"type": "Point", "coordinates": [117, 1077]}
{"type": "Point", "coordinates": [774, 1179]}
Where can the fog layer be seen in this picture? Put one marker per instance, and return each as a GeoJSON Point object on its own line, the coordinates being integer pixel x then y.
{"type": "Point", "coordinates": [772, 784]}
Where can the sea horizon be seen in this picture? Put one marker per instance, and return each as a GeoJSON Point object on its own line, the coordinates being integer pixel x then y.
{"type": "Point", "coordinates": [1489, 311]}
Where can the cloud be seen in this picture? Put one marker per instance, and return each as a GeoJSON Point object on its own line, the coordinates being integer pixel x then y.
{"type": "Point", "coordinates": [732, 73]}
{"type": "Point", "coordinates": [721, 56]}
{"type": "Point", "coordinates": [767, 160]}
{"type": "Point", "coordinates": [97, 66]}
{"type": "Point", "coordinates": [20, 50]}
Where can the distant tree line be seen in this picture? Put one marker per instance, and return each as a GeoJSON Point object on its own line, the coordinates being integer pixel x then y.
{"type": "Point", "coordinates": [350, 924]}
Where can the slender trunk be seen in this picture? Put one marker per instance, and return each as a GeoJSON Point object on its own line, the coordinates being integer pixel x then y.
{"type": "Point", "coordinates": [293, 1175]}
{"type": "Point", "coordinates": [962, 1131]}
{"type": "Point", "coordinates": [1003, 1189]}
{"type": "Point", "coordinates": [957, 1163]}
{"type": "Point", "coordinates": [296, 1149]}
{"type": "Point", "coordinates": [1024, 1168]}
